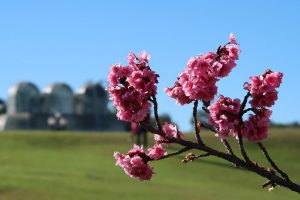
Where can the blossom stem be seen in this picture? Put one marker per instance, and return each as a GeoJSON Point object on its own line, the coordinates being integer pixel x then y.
{"type": "Point", "coordinates": [239, 128]}
{"type": "Point", "coordinates": [231, 158]}
{"type": "Point", "coordinates": [241, 143]}
{"type": "Point", "coordinates": [243, 105]}
{"type": "Point", "coordinates": [224, 142]}
{"type": "Point", "coordinates": [249, 109]}
{"type": "Point", "coordinates": [273, 164]}
{"type": "Point", "coordinates": [202, 155]}
{"type": "Point", "coordinates": [157, 121]}
{"type": "Point", "coordinates": [197, 128]}
{"type": "Point", "coordinates": [228, 147]}
{"type": "Point", "coordinates": [185, 149]}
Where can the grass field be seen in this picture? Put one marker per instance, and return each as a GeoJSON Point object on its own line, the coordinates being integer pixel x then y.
{"type": "Point", "coordinates": [73, 166]}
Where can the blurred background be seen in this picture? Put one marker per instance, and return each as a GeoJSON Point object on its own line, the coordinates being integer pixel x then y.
{"type": "Point", "coordinates": [54, 61]}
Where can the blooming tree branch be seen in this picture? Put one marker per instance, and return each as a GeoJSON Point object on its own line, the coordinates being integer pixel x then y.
{"type": "Point", "coordinates": [185, 149]}
{"type": "Point", "coordinates": [273, 164]}
{"type": "Point", "coordinates": [196, 125]}
{"type": "Point", "coordinates": [132, 88]}
{"type": "Point", "coordinates": [157, 121]}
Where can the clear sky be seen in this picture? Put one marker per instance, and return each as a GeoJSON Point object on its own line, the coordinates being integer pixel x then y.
{"type": "Point", "coordinates": [76, 41]}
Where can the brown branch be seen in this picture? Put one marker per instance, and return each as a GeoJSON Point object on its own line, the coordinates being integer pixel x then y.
{"type": "Point", "coordinates": [197, 128]}
{"type": "Point", "coordinates": [206, 103]}
{"type": "Point", "coordinates": [241, 144]}
{"type": "Point", "coordinates": [228, 147]}
{"type": "Point", "coordinates": [224, 142]}
{"type": "Point", "coordinates": [273, 164]}
{"type": "Point", "coordinates": [202, 155]}
{"type": "Point", "coordinates": [243, 105]}
{"type": "Point", "coordinates": [231, 158]}
{"type": "Point", "coordinates": [185, 149]}
{"type": "Point", "coordinates": [249, 109]}
{"type": "Point", "coordinates": [157, 121]}
{"type": "Point", "coordinates": [239, 128]}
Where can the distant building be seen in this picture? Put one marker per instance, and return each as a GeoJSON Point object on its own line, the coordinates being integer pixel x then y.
{"type": "Point", "coordinates": [2, 107]}
{"type": "Point", "coordinates": [57, 107]}
{"type": "Point", "coordinates": [23, 98]}
{"type": "Point", "coordinates": [58, 97]}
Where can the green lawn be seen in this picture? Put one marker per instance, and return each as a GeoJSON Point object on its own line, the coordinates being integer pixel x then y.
{"type": "Point", "coordinates": [71, 166]}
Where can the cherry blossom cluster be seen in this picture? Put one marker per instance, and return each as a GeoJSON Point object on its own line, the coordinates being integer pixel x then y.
{"type": "Point", "coordinates": [131, 86]}
{"type": "Point", "coordinates": [198, 80]}
{"type": "Point", "coordinates": [222, 115]}
{"type": "Point", "coordinates": [256, 127]}
{"type": "Point", "coordinates": [135, 162]}
{"type": "Point", "coordinates": [263, 88]}
{"type": "Point", "coordinates": [170, 131]}
{"type": "Point", "coordinates": [264, 94]}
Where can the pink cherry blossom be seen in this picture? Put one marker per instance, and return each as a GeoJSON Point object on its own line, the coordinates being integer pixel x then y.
{"type": "Point", "coordinates": [177, 93]}
{"type": "Point", "coordinates": [263, 88]}
{"type": "Point", "coordinates": [225, 61]}
{"type": "Point", "coordinates": [256, 127]}
{"type": "Point", "coordinates": [232, 39]}
{"type": "Point", "coordinates": [156, 152]}
{"type": "Point", "coordinates": [130, 104]}
{"type": "Point", "coordinates": [130, 87]}
{"type": "Point", "coordinates": [136, 150]}
{"type": "Point", "coordinates": [140, 61]}
{"type": "Point", "coordinates": [221, 115]}
{"type": "Point", "coordinates": [143, 81]}
{"type": "Point", "coordinates": [264, 99]}
{"type": "Point", "coordinates": [171, 131]}
{"type": "Point", "coordinates": [134, 163]}
{"type": "Point", "coordinates": [144, 56]}
{"type": "Point", "coordinates": [273, 79]}
{"type": "Point", "coordinates": [194, 82]}
{"type": "Point", "coordinates": [198, 79]}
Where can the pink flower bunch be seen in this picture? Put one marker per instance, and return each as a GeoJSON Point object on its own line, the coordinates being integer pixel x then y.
{"type": "Point", "coordinates": [156, 152]}
{"type": "Point", "coordinates": [263, 88]}
{"type": "Point", "coordinates": [131, 86]}
{"type": "Point", "coordinates": [199, 78]}
{"type": "Point", "coordinates": [135, 162]}
{"type": "Point", "coordinates": [256, 127]}
{"type": "Point", "coordinates": [221, 115]}
{"type": "Point", "coordinates": [171, 131]}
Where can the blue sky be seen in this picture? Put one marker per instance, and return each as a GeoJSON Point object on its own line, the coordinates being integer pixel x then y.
{"type": "Point", "coordinates": [76, 41]}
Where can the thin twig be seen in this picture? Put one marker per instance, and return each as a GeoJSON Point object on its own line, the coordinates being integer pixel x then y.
{"type": "Point", "coordinates": [228, 147]}
{"type": "Point", "coordinates": [197, 128]}
{"type": "Point", "coordinates": [158, 124]}
{"type": "Point", "coordinates": [185, 149]}
{"type": "Point", "coordinates": [249, 109]}
{"type": "Point", "coordinates": [224, 142]}
{"type": "Point", "coordinates": [243, 105]}
{"type": "Point", "coordinates": [202, 155]}
{"type": "Point", "coordinates": [241, 143]}
{"type": "Point", "coordinates": [273, 164]}
{"type": "Point", "coordinates": [206, 103]}
{"type": "Point", "coordinates": [230, 158]}
{"type": "Point", "coordinates": [239, 128]}
{"type": "Point", "coordinates": [205, 109]}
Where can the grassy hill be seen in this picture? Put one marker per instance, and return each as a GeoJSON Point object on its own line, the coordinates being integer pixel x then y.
{"type": "Point", "coordinates": [80, 166]}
